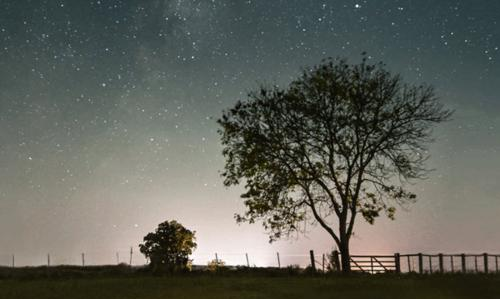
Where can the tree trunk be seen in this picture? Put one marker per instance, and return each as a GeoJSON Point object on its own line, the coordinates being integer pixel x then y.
{"type": "Point", "coordinates": [345, 258]}
{"type": "Point", "coordinates": [344, 253]}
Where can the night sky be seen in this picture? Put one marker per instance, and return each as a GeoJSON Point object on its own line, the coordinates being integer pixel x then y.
{"type": "Point", "coordinates": [108, 110]}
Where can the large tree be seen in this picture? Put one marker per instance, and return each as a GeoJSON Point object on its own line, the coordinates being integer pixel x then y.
{"type": "Point", "coordinates": [169, 247]}
{"type": "Point", "coordinates": [341, 140]}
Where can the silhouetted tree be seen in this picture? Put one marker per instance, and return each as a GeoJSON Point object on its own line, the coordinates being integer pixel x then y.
{"type": "Point", "coordinates": [169, 247]}
{"type": "Point", "coordinates": [341, 140]}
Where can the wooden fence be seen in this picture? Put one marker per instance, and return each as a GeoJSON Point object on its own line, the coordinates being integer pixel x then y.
{"type": "Point", "coordinates": [417, 263]}
{"type": "Point", "coordinates": [429, 263]}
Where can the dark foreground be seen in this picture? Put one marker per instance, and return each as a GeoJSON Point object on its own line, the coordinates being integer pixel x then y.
{"type": "Point", "coordinates": [253, 285]}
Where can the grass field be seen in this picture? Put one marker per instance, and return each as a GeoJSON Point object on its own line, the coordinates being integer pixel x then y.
{"type": "Point", "coordinates": [255, 286]}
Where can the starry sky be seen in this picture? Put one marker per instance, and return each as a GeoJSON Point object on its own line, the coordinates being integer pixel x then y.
{"type": "Point", "coordinates": [108, 110]}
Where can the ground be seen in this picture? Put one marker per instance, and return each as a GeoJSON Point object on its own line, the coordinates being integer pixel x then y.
{"type": "Point", "coordinates": [255, 286]}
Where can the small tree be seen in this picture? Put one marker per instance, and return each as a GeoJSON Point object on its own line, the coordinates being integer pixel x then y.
{"type": "Point", "coordinates": [169, 247]}
{"type": "Point", "coordinates": [341, 140]}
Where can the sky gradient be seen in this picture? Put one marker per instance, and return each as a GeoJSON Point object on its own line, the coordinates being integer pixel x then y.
{"type": "Point", "coordinates": [108, 109]}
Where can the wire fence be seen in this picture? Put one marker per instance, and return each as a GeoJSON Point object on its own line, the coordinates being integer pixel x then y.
{"type": "Point", "coordinates": [129, 256]}
{"type": "Point", "coordinates": [132, 256]}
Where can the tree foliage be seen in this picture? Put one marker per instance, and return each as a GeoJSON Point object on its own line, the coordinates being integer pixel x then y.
{"type": "Point", "coordinates": [169, 247]}
{"type": "Point", "coordinates": [339, 141]}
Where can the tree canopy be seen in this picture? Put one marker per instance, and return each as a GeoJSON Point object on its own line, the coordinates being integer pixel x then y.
{"type": "Point", "coordinates": [169, 247]}
{"type": "Point", "coordinates": [341, 140]}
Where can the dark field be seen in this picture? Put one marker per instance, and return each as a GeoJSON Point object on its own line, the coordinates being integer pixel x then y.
{"type": "Point", "coordinates": [108, 285]}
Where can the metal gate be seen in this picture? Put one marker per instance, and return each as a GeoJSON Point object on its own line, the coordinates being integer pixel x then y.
{"type": "Point", "coordinates": [374, 263]}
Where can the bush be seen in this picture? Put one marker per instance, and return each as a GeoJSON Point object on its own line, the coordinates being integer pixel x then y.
{"type": "Point", "coordinates": [216, 265]}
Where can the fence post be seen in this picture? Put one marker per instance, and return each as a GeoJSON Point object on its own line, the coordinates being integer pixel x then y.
{"type": "Point", "coordinates": [48, 260]}
{"type": "Point", "coordinates": [409, 263]}
{"type": "Point", "coordinates": [278, 256]}
{"type": "Point", "coordinates": [323, 263]}
{"type": "Point", "coordinates": [430, 264]}
{"type": "Point", "coordinates": [464, 269]}
{"type": "Point", "coordinates": [397, 262]}
{"type": "Point", "coordinates": [83, 259]}
{"type": "Point", "coordinates": [485, 256]}
{"type": "Point", "coordinates": [313, 264]}
{"type": "Point", "coordinates": [248, 263]}
{"type": "Point", "coordinates": [496, 263]}
{"type": "Point", "coordinates": [13, 261]}
{"type": "Point", "coordinates": [475, 263]}
{"type": "Point", "coordinates": [336, 260]}
{"type": "Point", "coordinates": [420, 263]}
{"type": "Point", "coordinates": [452, 264]}
{"type": "Point", "coordinates": [441, 267]}
{"type": "Point", "coordinates": [131, 252]}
